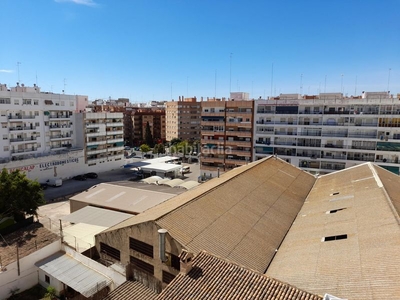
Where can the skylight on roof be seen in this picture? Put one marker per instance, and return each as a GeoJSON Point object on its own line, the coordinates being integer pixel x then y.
{"type": "Point", "coordinates": [334, 238]}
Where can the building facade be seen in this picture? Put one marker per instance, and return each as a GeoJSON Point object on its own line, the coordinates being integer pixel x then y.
{"type": "Point", "coordinates": [38, 131]}
{"type": "Point", "coordinates": [226, 134]}
{"type": "Point", "coordinates": [183, 119]}
{"type": "Point", "coordinates": [103, 141]}
{"type": "Point", "coordinates": [329, 132]}
{"type": "Point", "coordinates": [136, 119]}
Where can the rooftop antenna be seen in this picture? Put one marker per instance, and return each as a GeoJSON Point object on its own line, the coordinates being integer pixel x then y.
{"type": "Point", "coordinates": [187, 86]}
{"type": "Point", "coordinates": [36, 79]}
{"type": "Point", "coordinates": [301, 84]}
{"type": "Point", "coordinates": [325, 85]}
{"type": "Point", "coordinates": [355, 89]}
{"type": "Point", "coordinates": [215, 85]}
{"type": "Point", "coordinates": [171, 91]}
{"type": "Point", "coordinates": [272, 77]}
{"type": "Point", "coordinates": [389, 80]}
{"type": "Point", "coordinates": [18, 63]}
{"type": "Point", "coordinates": [64, 85]}
{"type": "Point", "coordinates": [230, 74]}
{"type": "Point", "coordinates": [341, 84]}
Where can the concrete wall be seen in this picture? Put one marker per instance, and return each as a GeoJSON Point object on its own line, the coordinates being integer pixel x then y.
{"type": "Point", "coordinates": [9, 279]}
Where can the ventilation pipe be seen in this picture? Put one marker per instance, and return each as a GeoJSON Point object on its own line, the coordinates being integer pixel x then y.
{"type": "Point", "coordinates": [161, 235]}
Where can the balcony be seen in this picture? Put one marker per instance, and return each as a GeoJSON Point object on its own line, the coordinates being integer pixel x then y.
{"type": "Point", "coordinates": [238, 133]}
{"type": "Point", "coordinates": [21, 128]}
{"type": "Point", "coordinates": [212, 132]}
{"type": "Point", "coordinates": [114, 132]}
{"type": "Point", "coordinates": [60, 137]}
{"type": "Point", "coordinates": [18, 118]}
{"type": "Point", "coordinates": [22, 140]}
{"type": "Point", "coordinates": [22, 151]}
{"type": "Point", "coordinates": [213, 114]}
{"type": "Point", "coordinates": [114, 124]}
{"type": "Point", "coordinates": [239, 113]}
{"type": "Point", "coordinates": [238, 143]}
{"type": "Point", "coordinates": [211, 159]}
{"type": "Point", "coordinates": [59, 126]}
{"type": "Point", "coordinates": [234, 161]}
{"type": "Point", "coordinates": [246, 153]}
{"type": "Point", "coordinates": [59, 117]}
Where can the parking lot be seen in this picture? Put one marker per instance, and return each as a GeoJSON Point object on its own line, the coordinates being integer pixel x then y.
{"type": "Point", "coordinates": [71, 187]}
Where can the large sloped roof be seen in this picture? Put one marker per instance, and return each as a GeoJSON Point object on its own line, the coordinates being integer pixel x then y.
{"type": "Point", "coordinates": [215, 278]}
{"type": "Point", "coordinates": [243, 215]}
{"type": "Point", "coordinates": [131, 290]}
{"type": "Point", "coordinates": [346, 238]}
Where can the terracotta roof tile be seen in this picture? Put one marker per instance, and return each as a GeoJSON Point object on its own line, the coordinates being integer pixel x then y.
{"type": "Point", "coordinates": [131, 290]}
{"type": "Point", "coordinates": [215, 278]}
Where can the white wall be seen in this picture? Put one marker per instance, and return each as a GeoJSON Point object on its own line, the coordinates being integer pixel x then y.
{"type": "Point", "coordinates": [9, 279]}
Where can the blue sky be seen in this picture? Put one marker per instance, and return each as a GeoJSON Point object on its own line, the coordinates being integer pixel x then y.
{"type": "Point", "coordinates": [149, 50]}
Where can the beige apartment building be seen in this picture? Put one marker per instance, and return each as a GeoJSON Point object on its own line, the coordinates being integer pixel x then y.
{"type": "Point", "coordinates": [183, 119]}
{"type": "Point", "coordinates": [226, 134]}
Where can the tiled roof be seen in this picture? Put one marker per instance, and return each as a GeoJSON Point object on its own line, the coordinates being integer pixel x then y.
{"type": "Point", "coordinates": [362, 203]}
{"type": "Point", "coordinates": [244, 218]}
{"type": "Point", "coordinates": [131, 290]}
{"type": "Point", "coordinates": [215, 278]}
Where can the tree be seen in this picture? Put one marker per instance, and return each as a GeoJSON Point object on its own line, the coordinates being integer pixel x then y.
{"type": "Point", "coordinates": [159, 149]}
{"type": "Point", "coordinates": [148, 137]}
{"type": "Point", "coordinates": [175, 141]}
{"type": "Point", "coordinates": [144, 148]}
{"type": "Point", "coordinates": [19, 196]}
{"type": "Point", "coordinates": [183, 147]}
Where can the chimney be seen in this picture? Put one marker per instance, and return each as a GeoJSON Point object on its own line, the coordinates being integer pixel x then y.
{"type": "Point", "coordinates": [185, 259]}
{"type": "Point", "coordinates": [161, 234]}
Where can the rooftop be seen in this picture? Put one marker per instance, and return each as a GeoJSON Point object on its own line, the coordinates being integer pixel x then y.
{"type": "Point", "coordinates": [345, 239]}
{"type": "Point", "coordinates": [212, 277]}
{"type": "Point", "coordinates": [131, 290]}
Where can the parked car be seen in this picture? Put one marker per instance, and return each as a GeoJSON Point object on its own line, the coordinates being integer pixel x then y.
{"type": "Point", "coordinates": [91, 175]}
{"type": "Point", "coordinates": [43, 186]}
{"type": "Point", "coordinates": [149, 155]}
{"type": "Point", "coordinates": [79, 177]}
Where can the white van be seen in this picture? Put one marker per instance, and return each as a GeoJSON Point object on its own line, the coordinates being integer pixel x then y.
{"type": "Point", "coordinates": [185, 169]}
{"type": "Point", "coordinates": [54, 182]}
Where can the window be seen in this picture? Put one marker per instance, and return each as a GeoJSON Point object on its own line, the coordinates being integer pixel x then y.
{"type": "Point", "coordinates": [5, 148]}
{"type": "Point", "coordinates": [16, 102]}
{"type": "Point", "coordinates": [36, 113]}
{"type": "Point", "coordinates": [27, 101]}
{"type": "Point", "coordinates": [35, 102]}
{"type": "Point", "coordinates": [71, 103]}
{"type": "Point", "coordinates": [141, 247]}
{"type": "Point", "coordinates": [5, 136]}
{"type": "Point", "coordinates": [141, 265]}
{"type": "Point", "coordinates": [335, 237]}
{"type": "Point", "coordinates": [175, 262]}
{"type": "Point", "coordinates": [5, 101]}
{"type": "Point", "coordinates": [62, 103]}
{"type": "Point", "coordinates": [47, 279]}
{"type": "Point", "coordinates": [110, 251]}
{"type": "Point", "coordinates": [167, 277]}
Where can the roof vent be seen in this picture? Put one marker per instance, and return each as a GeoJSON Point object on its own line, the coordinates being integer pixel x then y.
{"type": "Point", "coordinates": [330, 297]}
{"type": "Point", "coordinates": [161, 234]}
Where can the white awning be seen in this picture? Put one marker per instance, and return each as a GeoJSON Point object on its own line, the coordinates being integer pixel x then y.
{"type": "Point", "coordinates": [188, 184]}
{"type": "Point", "coordinates": [74, 274]}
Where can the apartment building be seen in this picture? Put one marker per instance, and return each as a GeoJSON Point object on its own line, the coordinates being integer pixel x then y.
{"type": "Point", "coordinates": [226, 134]}
{"type": "Point", "coordinates": [135, 122]}
{"type": "Point", "coordinates": [329, 132]}
{"type": "Point", "coordinates": [38, 133]}
{"type": "Point", "coordinates": [103, 141]}
{"type": "Point", "coordinates": [183, 119]}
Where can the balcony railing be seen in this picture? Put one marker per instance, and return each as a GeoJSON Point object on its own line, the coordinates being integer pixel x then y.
{"type": "Point", "coordinates": [20, 117]}
{"type": "Point", "coordinates": [23, 128]}
{"type": "Point", "coordinates": [32, 138]}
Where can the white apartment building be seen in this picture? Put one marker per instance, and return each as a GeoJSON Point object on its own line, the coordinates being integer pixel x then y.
{"type": "Point", "coordinates": [103, 140]}
{"type": "Point", "coordinates": [44, 134]}
{"type": "Point", "coordinates": [329, 132]}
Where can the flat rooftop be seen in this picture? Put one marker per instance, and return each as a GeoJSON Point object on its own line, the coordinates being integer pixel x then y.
{"type": "Point", "coordinates": [123, 197]}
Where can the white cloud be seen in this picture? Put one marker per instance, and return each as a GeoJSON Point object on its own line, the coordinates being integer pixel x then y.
{"type": "Point", "coordinates": [82, 2]}
{"type": "Point", "coordinates": [6, 71]}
